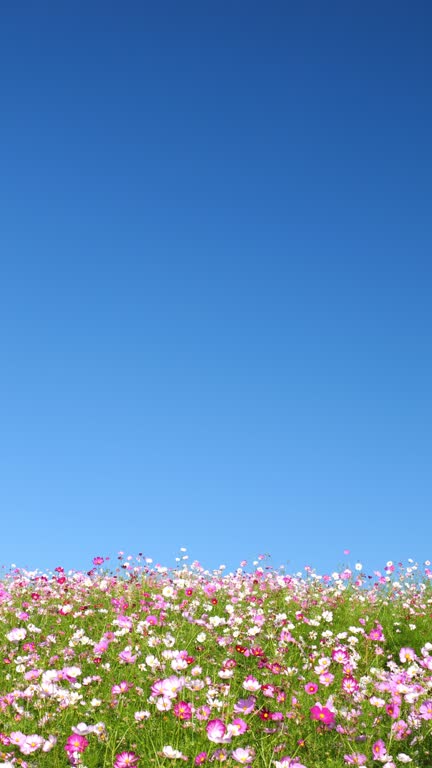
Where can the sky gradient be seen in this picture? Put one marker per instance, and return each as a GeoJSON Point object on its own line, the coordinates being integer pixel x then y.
{"type": "Point", "coordinates": [216, 280]}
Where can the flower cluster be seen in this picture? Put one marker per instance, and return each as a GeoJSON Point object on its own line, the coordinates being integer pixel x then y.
{"type": "Point", "coordinates": [147, 665]}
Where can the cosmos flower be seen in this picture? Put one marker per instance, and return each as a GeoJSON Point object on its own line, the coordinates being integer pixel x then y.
{"type": "Point", "coordinates": [126, 760]}
{"type": "Point", "coordinates": [322, 714]}
{"type": "Point", "coordinates": [217, 732]}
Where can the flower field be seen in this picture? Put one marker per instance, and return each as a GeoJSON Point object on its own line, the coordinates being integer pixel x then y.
{"type": "Point", "coordinates": [144, 666]}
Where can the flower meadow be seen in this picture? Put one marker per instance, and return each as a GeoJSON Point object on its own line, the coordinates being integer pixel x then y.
{"type": "Point", "coordinates": [142, 665]}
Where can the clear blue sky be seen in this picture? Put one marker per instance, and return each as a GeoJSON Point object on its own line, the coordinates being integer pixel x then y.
{"type": "Point", "coordinates": [216, 281]}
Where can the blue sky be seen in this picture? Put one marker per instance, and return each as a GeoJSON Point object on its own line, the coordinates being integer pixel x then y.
{"type": "Point", "coordinates": [215, 313]}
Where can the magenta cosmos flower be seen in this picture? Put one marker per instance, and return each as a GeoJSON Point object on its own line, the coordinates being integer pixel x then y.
{"type": "Point", "coordinates": [125, 760]}
{"type": "Point", "coordinates": [311, 688]}
{"type": "Point", "coordinates": [183, 710]}
{"type": "Point", "coordinates": [76, 743]}
{"type": "Point", "coordinates": [322, 714]}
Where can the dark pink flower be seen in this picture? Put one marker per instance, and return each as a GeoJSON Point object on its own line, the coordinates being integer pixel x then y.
{"type": "Point", "coordinates": [322, 714]}
{"type": "Point", "coordinates": [183, 710]}
{"type": "Point", "coordinates": [76, 743]}
{"type": "Point", "coordinates": [311, 688]}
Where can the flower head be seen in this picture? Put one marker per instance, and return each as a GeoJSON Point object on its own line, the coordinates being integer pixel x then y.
{"type": "Point", "coordinates": [125, 760]}
{"type": "Point", "coordinates": [322, 714]}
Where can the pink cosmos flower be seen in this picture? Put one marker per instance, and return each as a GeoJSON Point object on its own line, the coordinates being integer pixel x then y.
{"type": "Point", "coordinates": [426, 710]}
{"type": "Point", "coordinates": [250, 683]}
{"type": "Point", "coordinates": [124, 622]}
{"type": "Point", "coordinates": [350, 685]}
{"type": "Point", "coordinates": [122, 687]}
{"type": "Point", "coordinates": [238, 726]}
{"type": "Point", "coordinates": [82, 729]}
{"type": "Point", "coordinates": [217, 732]}
{"type": "Point", "coordinates": [268, 690]}
{"type": "Point", "coordinates": [17, 634]}
{"type": "Point", "coordinates": [393, 710]}
{"type": "Point", "coordinates": [376, 634]}
{"type": "Point", "coordinates": [153, 620]}
{"type": "Point", "coordinates": [125, 760]}
{"type": "Point", "coordinates": [355, 759]}
{"type": "Point", "coordinates": [49, 743]}
{"type": "Point", "coordinates": [407, 654]}
{"type": "Point", "coordinates": [32, 674]}
{"type": "Point", "coordinates": [243, 755]}
{"type": "Point", "coordinates": [127, 657]}
{"type": "Point", "coordinates": [203, 713]}
{"type": "Point", "coordinates": [400, 730]}
{"type": "Point", "coordinates": [201, 758]}
{"type": "Point", "coordinates": [76, 743]}
{"type": "Point", "coordinates": [183, 710]}
{"type": "Point", "coordinates": [170, 686]}
{"type": "Point", "coordinates": [17, 738]}
{"type": "Point", "coordinates": [164, 703]}
{"type": "Point", "coordinates": [100, 647]}
{"type": "Point", "coordinates": [31, 744]}
{"type": "Point", "coordinates": [311, 688]}
{"type": "Point", "coordinates": [379, 750]}
{"type": "Point", "coordinates": [276, 716]}
{"type": "Point", "coordinates": [326, 678]}
{"type": "Point", "coordinates": [340, 655]}
{"type": "Point", "coordinates": [245, 706]}
{"type": "Point", "coordinates": [322, 714]}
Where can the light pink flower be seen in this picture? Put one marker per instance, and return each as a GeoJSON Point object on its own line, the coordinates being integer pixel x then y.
{"type": "Point", "coordinates": [173, 754]}
{"type": "Point", "coordinates": [356, 758]}
{"type": "Point", "coordinates": [379, 749]}
{"type": "Point", "coordinates": [250, 683]}
{"type": "Point", "coordinates": [49, 743]}
{"type": "Point", "coordinates": [127, 657]}
{"type": "Point", "coordinates": [31, 744]}
{"type": "Point", "coordinates": [326, 678]}
{"type": "Point", "coordinates": [243, 755]}
{"type": "Point", "coordinates": [426, 710]}
{"type": "Point", "coordinates": [407, 654]}
{"type": "Point", "coordinates": [17, 738]}
{"type": "Point", "coordinates": [245, 706]}
{"type": "Point", "coordinates": [217, 732]}
{"type": "Point", "coordinates": [17, 634]}
{"type": "Point", "coordinates": [238, 726]}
